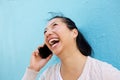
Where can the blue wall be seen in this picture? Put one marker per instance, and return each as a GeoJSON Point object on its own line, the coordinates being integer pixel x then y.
{"type": "Point", "coordinates": [22, 23]}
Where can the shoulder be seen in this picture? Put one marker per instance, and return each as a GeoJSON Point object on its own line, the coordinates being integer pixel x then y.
{"type": "Point", "coordinates": [107, 71]}
{"type": "Point", "coordinates": [101, 64]}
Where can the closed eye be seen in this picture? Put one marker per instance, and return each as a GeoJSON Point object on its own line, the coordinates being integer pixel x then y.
{"type": "Point", "coordinates": [45, 31]}
{"type": "Point", "coordinates": [55, 24]}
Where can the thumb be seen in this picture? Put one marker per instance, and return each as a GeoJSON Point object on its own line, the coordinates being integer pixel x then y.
{"type": "Point", "coordinates": [49, 57]}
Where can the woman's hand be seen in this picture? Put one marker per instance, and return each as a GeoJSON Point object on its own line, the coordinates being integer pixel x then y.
{"type": "Point", "coordinates": [36, 62]}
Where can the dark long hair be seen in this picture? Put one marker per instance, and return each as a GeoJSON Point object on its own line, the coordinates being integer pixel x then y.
{"type": "Point", "coordinates": [82, 44]}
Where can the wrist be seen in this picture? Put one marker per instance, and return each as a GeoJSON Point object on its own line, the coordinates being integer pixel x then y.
{"type": "Point", "coordinates": [33, 68]}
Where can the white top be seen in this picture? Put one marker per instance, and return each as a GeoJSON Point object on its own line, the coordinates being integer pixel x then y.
{"type": "Point", "coordinates": [93, 70]}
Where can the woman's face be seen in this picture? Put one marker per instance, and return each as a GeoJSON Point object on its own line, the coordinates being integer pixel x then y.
{"type": "Point", "coordinates": [58, 37]}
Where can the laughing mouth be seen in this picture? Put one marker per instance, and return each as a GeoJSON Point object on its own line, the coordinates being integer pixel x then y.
{"type": "Point", "coordinates": [53, 41]}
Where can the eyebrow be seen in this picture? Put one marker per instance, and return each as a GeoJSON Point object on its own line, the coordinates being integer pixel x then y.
{"type": "Point", "coordinates": [45, 29]}
{"type": "Point", "coordinates": [49, 25]}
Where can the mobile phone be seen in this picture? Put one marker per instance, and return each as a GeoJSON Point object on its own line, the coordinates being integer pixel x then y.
{"type": "Point", "coordinates": [44, 51]}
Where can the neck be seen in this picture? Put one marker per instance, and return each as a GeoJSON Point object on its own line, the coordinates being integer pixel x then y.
{"type": "Point", "coordinates": [72, 59]}
{"type": "Point", "coordinates": [72, 63]}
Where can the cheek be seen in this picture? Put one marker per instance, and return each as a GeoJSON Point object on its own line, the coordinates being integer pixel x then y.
{"type": "Point", "coordinates": [45, 40]}
{"type": "Point", "coordinates": [62, 30]}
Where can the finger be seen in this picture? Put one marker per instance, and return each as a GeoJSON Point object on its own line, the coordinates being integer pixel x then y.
{"type": "Point", "coordinates": [49, 57]}
{"type": "Point", "coordinates": [41, 46]}
{"type": "Point", "coordinates": [35, 53]}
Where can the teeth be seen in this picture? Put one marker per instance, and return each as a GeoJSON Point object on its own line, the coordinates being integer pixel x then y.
{"type": "Point", "coordinates": [53, 41]}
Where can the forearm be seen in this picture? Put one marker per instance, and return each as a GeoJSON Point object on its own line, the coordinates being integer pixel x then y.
{"type": "Point", "coordinates": [30, 74]}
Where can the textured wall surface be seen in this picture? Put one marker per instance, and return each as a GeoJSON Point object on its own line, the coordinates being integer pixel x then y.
{"type": "Point", "coordinates": [22, 23]}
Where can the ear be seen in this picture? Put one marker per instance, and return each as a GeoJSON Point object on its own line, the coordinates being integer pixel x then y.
{"type": "Point", "coordinates": [75, 33]}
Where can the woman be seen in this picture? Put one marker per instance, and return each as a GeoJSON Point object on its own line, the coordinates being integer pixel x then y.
{"type": "Point", "coordinates": [64, 40]}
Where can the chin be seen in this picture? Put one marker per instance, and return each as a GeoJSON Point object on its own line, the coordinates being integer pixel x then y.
{"type": "Point", "coordinates": [57, 52]}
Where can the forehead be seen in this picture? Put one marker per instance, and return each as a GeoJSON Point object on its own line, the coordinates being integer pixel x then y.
{"type": "Point", "coordinates": [55, 20]}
